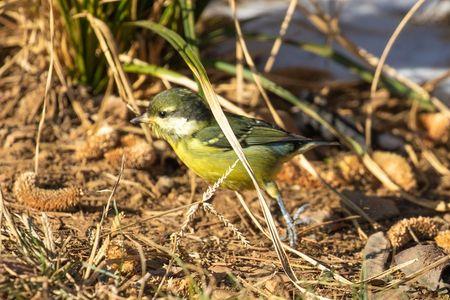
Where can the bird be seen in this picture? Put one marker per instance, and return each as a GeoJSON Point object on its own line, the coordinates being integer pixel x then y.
{"type": "Point", "coordinates": [183, 119]}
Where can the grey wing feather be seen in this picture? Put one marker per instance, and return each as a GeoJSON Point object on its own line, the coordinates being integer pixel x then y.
{"type": "Point", "coordinates": [249, 132]}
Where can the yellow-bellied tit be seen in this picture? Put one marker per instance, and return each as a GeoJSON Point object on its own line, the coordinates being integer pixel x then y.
{"type": "Point", "coordinates": [184, 120]}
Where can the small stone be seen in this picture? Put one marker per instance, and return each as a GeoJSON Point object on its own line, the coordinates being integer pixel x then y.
{"type": "Point", "coordinates": [164, 184]}
{"type": "Point", "coordinates": [425, 255]}
{"type": "Point", "coordinates": [378, 208]}
{"type": "Point", "coordinates": [375, 255]}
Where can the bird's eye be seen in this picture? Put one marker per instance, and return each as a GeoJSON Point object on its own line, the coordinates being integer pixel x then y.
{"type": "Point", "coordinates": [162, 114]}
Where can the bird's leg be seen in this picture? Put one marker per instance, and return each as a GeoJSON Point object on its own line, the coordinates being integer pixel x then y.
{"type": "Point", "coordinates": [272, 189]}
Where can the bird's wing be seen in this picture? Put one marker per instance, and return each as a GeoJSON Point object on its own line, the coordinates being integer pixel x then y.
{"type": "Point", "coordinates": [248, 131]}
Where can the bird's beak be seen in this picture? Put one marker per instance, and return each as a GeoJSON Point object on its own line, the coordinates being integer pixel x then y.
{"type": "Point", "coordinates": [141, 119]}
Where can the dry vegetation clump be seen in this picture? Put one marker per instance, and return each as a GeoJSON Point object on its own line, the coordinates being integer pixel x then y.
{"type": "Point", "coordinates": [395, 166]}
{"type": "Point", "coordinates": [138, 153]}
{"type": "Point", "coordinates": [27, 191]}
{"type": "Point", "coordinates": [437, 126]}
{"type": "Point", "coordinates": [443, 240]}
{"type": "Point", "coordinates": [291, 173]}
{"type": "Point", "coordinates": [105, 137]}
{"type": "Point", "coordinates": [422, 227]}
{"type": "Point", "coordinates": [351, 168]}
{"type": "Point", "coordinates": [122, 257]}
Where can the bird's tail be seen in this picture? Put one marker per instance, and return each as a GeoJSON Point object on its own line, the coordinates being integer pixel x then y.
{"type": "Point", "coordinates": [311, 144]}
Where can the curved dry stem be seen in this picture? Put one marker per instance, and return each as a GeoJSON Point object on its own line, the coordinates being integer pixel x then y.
{"type": "Point", "coordinates": [382, 60]}
{"type": "Point", "coordinates": [283, 29]}
{"type": "Point", "coordinates": [251, 64]}
{"type": "Point", "coordinates": [320, 22]}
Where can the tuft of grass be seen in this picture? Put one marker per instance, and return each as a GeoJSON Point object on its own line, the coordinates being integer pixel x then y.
{"type": "Point", "coordinates": [86, 64]}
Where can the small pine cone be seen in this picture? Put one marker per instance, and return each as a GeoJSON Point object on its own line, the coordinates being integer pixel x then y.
{"type": "Point", "coordinates": [27, 192]}
{"type": "Point", "coordinates": [96, 144]}
{"type": "Point", "coordinates": [422, 227]}
{"type": "Point", "coordinates": [138, 153]}
{"type": "Point", "coordinates": [397, 168]}
{"type": "Point", "coordinates": [122, 257]}
{"type": "Point", "coordinates": [443, 240]}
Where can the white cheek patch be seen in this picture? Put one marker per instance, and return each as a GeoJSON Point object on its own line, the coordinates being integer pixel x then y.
{"type": "Point", "coordinates": [178, 126]}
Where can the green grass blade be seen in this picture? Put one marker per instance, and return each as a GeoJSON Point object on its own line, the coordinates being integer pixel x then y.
{"type": "Point", "coordinates": [187, 16]}
{"type": "Point", "coordinates": [193, 61]}
{"type": "Point", "coordinates": [394, 86]}
{"type": "Point", "coordinates": [306, 107]}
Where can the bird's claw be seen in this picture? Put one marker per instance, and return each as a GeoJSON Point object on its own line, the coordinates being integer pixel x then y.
{"type": "Point", "coordinates": [298, 219]}
{"type": "Point", "coordinates": [292, 222]}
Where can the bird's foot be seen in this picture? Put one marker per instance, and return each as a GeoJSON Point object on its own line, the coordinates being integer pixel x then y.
{"type": "Point", "coordinates": [291, 234]}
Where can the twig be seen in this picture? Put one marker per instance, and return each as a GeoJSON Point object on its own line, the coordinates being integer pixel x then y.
{"type": "Point", "coordinates": [283, 29]}
{"type": "Point", "coordinates": [413, 276]}
{"type": "Point", "coordinates": [321, 24]}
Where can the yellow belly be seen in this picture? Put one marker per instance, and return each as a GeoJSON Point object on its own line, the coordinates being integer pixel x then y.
{"type": "Point", "coordinates": [212, 163]}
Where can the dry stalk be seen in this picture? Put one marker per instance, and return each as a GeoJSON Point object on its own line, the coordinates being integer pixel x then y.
{"type": "Point", "coordinates": [95, 255]}
{"type": "Point", "coordinates": [47, 86]}
{"type": "Point", "coordinates": [239, 72]}
{"type": "Point", "coordinates": [108, 46]}
{"type": "Point", "coordinates": [435, 163]}
{"type": "Point", "coordinates": [207, 195]}
{"type": "Point", "coordinates": [209, 208]}
{"type": "Point", "coordinates": [413, 276]}
{"type": "Point", "coordinates": [307, 258]}
{"type": "Point", "coordinates": [320, 21]}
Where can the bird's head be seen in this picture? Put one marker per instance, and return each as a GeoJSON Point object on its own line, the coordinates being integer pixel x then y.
{"type": "Point", "coordinates": [175, 113]}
